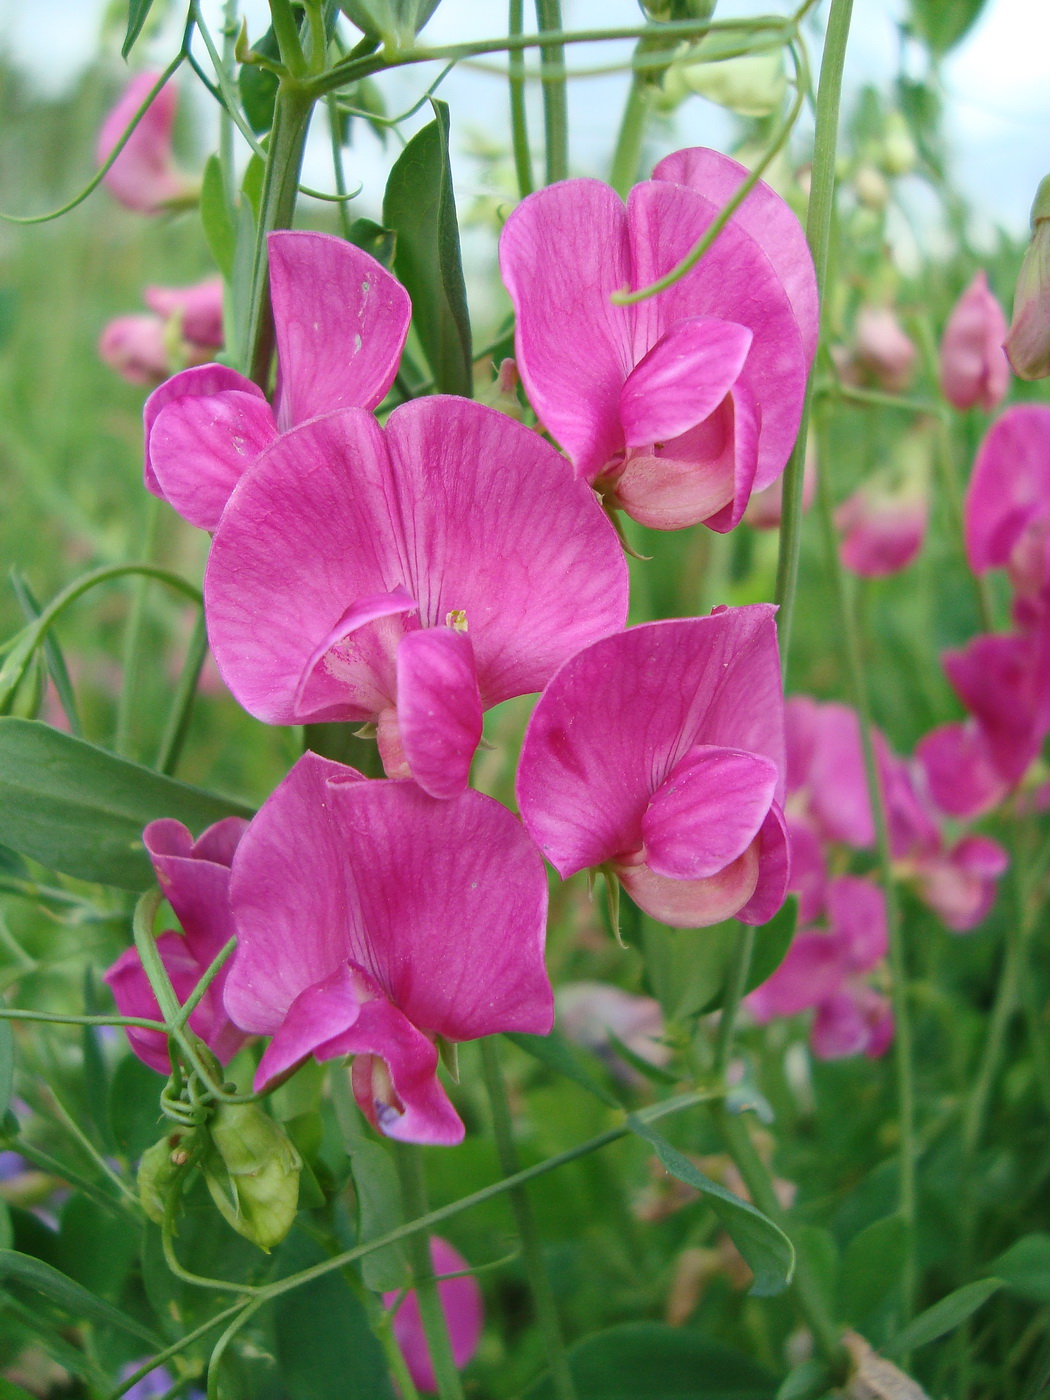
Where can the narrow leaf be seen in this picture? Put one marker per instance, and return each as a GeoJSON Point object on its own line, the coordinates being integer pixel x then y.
{"type": "Point", "coordinates": [138, 13]}
{"type": "Point", "coordinates": [764, 1245]}
{"type": "Point", "coordinates": [77, 1301]}
{"type": "Point", "coordinates": [55, 661]}
{"type": "Point", "coordinates": [420, 207]}
{"type": "Point", "coordinates": [1025, 1267]}
{"type": "Point", "coordinates": [7, 1065]}
{"type": "Point", "coordinates": [772, 941]}
{"type": "Point", "coordinates": [379, 1211]}
{"type": "Point", "coordinates": [943, 1316]}
{"type": "Point", "coordinates": [872, 1265]}
{"type": "Point", "coordinates": [217, 219]}
{"type": "Point", "coordinates": [80, 810]}
{"type": "Point", "coordinates": [556, 1053]}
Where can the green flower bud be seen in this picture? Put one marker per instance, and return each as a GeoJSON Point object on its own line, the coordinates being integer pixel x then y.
{"type": "Point", "coordinates": [159, 1169]}
{"type": "Point", "coordinates": [753, 84]}
{"type": "Point", "coordinates": [662, 11]}
{"type": "Point", "coordinates": [253, 1173]}
{"type": "Point", "coordinates": [1027, 343]}
{"type": "Point", "coordinates": [897, 153]}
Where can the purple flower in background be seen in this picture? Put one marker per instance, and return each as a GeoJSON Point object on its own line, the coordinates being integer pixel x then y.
{"type": "Point", "coordinates": [588, 1011]}
{"type": "Point", "coordinates": [372, 919]}
{"type": "Point", "coordinates": [195, 878]}
{"type": "Point", "coordinates": [144, 176]}
{"type": "Point", "coordinates": [341, 321]}
{"type": "Point", "coordinates": [678, 407]}
{"type": "Point", "coordinates": [411, 576]}
{"type": "Point", "coordinates": [660, 752]}
{"type": "Point", "coordinates": [460, 1302]}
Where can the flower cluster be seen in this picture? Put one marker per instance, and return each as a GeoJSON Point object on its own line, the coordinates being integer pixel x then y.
{"type": "Point", "coordinates": [408, 573]}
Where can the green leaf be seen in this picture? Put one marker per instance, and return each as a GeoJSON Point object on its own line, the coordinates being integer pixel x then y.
{"type": "Point", "coordinates": [53, 658]}
{"type": "Point", "coordinates": [60, 1289]}
{"type": "Point", "coordinates": [7, 1065]}
{"type": "Point", "coordinates": [420, 207]}
{"type": "Point", "coordinates": [766, 1248]}
{"type": "Point", "coordinates": [809, 1381]}
{"type": "Point", "coordinates": [325, 1347]}
{"type": "Point", "coordinates": [380, 242]}
{"type": "Point", "coordinates": [258, 86]}
{"type": "Point", "coordinates": [138, 13]}
{"type": "Point", "coordinates": [556, 1053]}
{"type": "Point", "coordinates": [942, 23]}
{"type": "Point", "coordinates": [872, 1266]}
{"type": "Point", "coordinates": [943, 1316]}
{"type": "Point", "coordinates": [1025, 1267]}
{"type": "Point", "coordinates": [379, 1212]}
{"type": "Point", "coordinates": [79, 809]}
{"type": "Point", "coordinates": [821, 1251]}
{"type": "Point", "coordinates": [13, 1392]}
{"type": "Point", "coordinates": [95, 1247]}
{"type": "Point", "coordinates": [134, 1106]}
{"type": "Point", "coordinates": [772, 941]}
{"type": "Point", "coordinates": [650, 1361]}
{"type": "Point", "coordinates": [217, 219]}
{"type": "Point", "coordinates": [656, 1073]}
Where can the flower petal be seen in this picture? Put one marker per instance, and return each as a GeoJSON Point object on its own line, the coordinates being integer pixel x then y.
{"type": "Point", "coordinates": [1010, 485]}
{"type": "Point", "coordinates": [438, 708]}
{"type": "Point", "coordinates": [563, 252]}
{"type": "Point", "coordinates": [959, 772]}
{"type": "Point", "coordinates": [341, 322]}
{"type": "Point", "coordinates": [707, 811]}
{"type": "Point", "coordinates": [200, 382]}
{"type": "Point", "coordinates": [195, 878]}
{"type": "Point", "coordinates": [693, 903]}
{"type": "Point", "coordinates": [857, 918]}
{"type": "Point", "coordinates": [461, 1304]}
{"type": "Point", "coordinates": [322, 685]}
{"type": "Point", "coordinates": [774, 870]}
{"type": "Point", "coordinates": [812, 970]}
{"type": "Point", "coordinates": [200, 446]}
{"type": "Point", "coordinates": [683, 378]}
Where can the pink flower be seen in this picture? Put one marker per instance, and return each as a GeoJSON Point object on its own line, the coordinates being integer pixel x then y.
{"type": "Point", "coordinates": [371, 919]}
{"type": "Point", "coordinates": [195, 878]}
{"type": "Point", "coordinates": [1008, 505]}
{"type": "Point", "coordinates": [660, 752]}
{"type": "Point", "coordinates": [461, 1304]}
{"type": "Point", "coordinates": [588, 1011]}
{"type": "Point", "coordinates": [765, 507]}
{"type": "Point", "coordinates": [676, 408]}
{"type": "Point", "coordinates": [1028, 341]}
{"type": "Point", "coordinates": [824, 969]}
{"type": "Point", "coordinates": [974, 367]}
{"type": "Point", "coordinates": [1004, 681]}
{"type": "Point", "coordinates": [411, 576]}
{"type": "Point", "coordinates": [827, 780]}
{"type": "Point", "coordinates": [882, 349]}
{"type": "Point", "coordinates": [883, 525]}
{"type": "Point", "coordinates": [960, 776]}
{"type": "Point", "coordinates": [199, 309]}
{"type": "Point", "coordinates": [144, 176]}
{"type": "Point", "coordinates": [136, 347]}
{"type": "Point", "coordinates": [341, 322]}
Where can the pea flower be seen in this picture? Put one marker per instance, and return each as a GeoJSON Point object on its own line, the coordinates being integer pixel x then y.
{"type": "Point", "coordinates": [678, 407]}
{"type": "Point", "coordinates": [198, 309]}
{"type": "Point", "coordinates": [410, 577]}
{"type": "Point", "coordinates": [825, 970]}
{"type": "Point", "coordinates": [883, 524]}
{"type": "Point", "coordinates": [826, 779]}
{"type": "Point", "coordinates": [588, 1011]}
{"type": "Point", "coordinates": [882, 349]}
{"type": "Point", "coordinates": [1027, 343]}
{"type": "Point", "coordinates": [959, 771]}
{"type": "Point", "coordinates": [659, 754]}
{"type": "Point", "coordinates": [136, 347]}
{"type": "Point", "coordinates": [460, 1302]}
{"type": "Point", "coordinates": [195, 878]}
{"type": "Point", "coordinates": [974, 367]}
{"type": "Point", "coordinates": [1007, 506]}
{"type": "Point", "coordinates": [372, 919]}
{"type": "Point", "coordinates": [144, 176]}
{"type": "Point", "coordinates": [341, 321]}
{"type": "Point", "coordinates": [1004, 682]}
{"type": "Point", "coordinates": [185, 324]}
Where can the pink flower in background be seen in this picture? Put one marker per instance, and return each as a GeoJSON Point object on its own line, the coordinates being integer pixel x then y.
{"type": "Point", "coordinates": [371, 919]}
{"type": "Point", "coordinates": [974, 367]}
{"type": "Point", "coordinates": [960, 775]}
{"type": "Point", "coordinates": [460, 1302]}
{"type": "Point", "coordinates": [1008, 506]}
{"type": "Point", "coordinates": [882, 349]}
{"type": "Point", "coordinates": [883, 525]}
{"type": "Point", "coordinates": [140, 348]}
{"type": "Point", "coordinates": [411, 576]}
{"type": "Point", "coordinates": [144, 176]}
{"type": "Point", "coordinates": [136, 347]}
{"type": "Point", "coordinates": [341, 321]}
{"type": "Point", "coordinates": [827, 782]}
{"type": "Point", "coordinates": [825, 969]}
{"type": "Point", "coordinates": [198, 307]}
{"type": "Point", "coordinates": [1004, 682]}
{"type": "Point", "coordinates": [679, 406]}
{"type": "Point", "coordinates": [765, 507]}
{"type": "Point", "coordinates": [588, 1011]}
{"type": "Point", "coordinates": [195, 878]}
{"type": "Point", "coordinates": [660, 752]}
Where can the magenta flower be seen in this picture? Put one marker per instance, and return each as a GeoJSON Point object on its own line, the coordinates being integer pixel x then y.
{"type": "Point", "coordinates": [136, 347]}
{"type": "Point", "coordinates": [882, 349]}
{"type": "Point", "coordinates": [1008, 505]}
{"type": "Point", "coordinates": [659, 752]}
{"type": "Point", "coordinates": [195, 878]}
{"type": "Point", "coordinates": [371, 919]}
{"type": "Point", "coordinates": [959, 772]}
{"type": "Point", "coordinates": [341, 322]}
{"type": "Point", "coordinates": [825, 968]}
{"type": "Point", "coordinates": [198, 308]}
{"type": "Point", "coordinates": [140, 348]}
{"type": "Point", "coordinates": [461, 1304]}
{"type": "Point", "coordinates": [1004, 682]}
{"type": "Point", "coordinates": [883, 525]}
{"type": "Point", "coordinates": [144, 176]}
{"type": "Point", "coordinates": [826, 777]}
{"type": "Point", "coordinates": [411, 576]}
{"type": "Point", "coordinates": [678, 407]}
{"type": "Point", "coordinates": [974, 367]}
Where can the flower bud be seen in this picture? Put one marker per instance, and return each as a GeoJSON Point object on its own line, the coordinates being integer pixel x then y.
{"type": "Point", "coordinates": [882, 348]}
{"type": "Point", "coordinates": [158, 1169]}
{"type": "Point", "coordinates": [897, 154]}
{"type": "Point", "coordinates": [135, 347]}
{"type": "Point", "coordinates": [752, 85]}
{"type": "Point", "coordinates": [871, 188]}
{"type": "Point", "coordinates": [974, 369]}
{"type": "Point", "coordinates": [253, 1173]}
{"type": "Point", "coordinates": [1027, 344]}
{"type": "Point", "coordinates": [502, 393]}
{"type": "Point", "coordinates": [144, 176]}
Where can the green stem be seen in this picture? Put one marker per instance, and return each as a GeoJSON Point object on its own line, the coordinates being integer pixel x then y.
{"type": "Point", "coordinates": [739, 966]}
{"type": "Point", "coordinates": [518, 117]}
{"type": "Point", "coordinates": [818, 235]}
{"type": "Point", "coordinates": [435, 1327]}
{"type": "Point", "coordinates": [134, 635]}
{"type": "Point", "coordinates": [898, 966]}
{"type": "Point", "coordinates": [332, 103]}
{"type": "Point", "coordinates": [286, 32]}
{"type": "Point", "coordinates": [85, 1143]}
{"type": "Point", "coordinates": [628, 154]}
{"type": "Point", "coordinates": [381, 1322]}
{"type": "Point", "coordinates": [57, 1019]}
{"type": "Point", "coordinates": [178, 723]}
{"type": "Point", "coordinates": [763, 1194]}
{"type": "Point", "coordinates": [532, 1247]}
{"type": "Point", "coordinates": [284, 158]}
{"type": "Point", "coordinates": [555, 108]}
